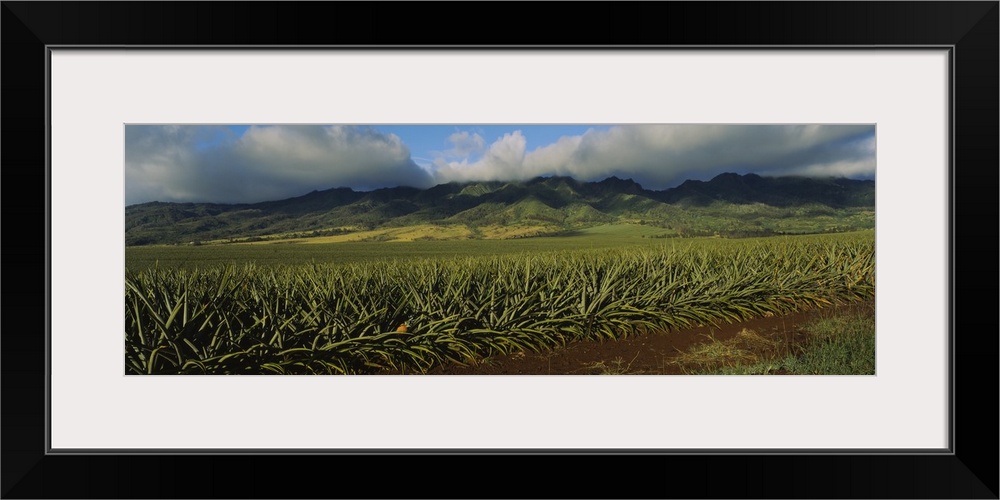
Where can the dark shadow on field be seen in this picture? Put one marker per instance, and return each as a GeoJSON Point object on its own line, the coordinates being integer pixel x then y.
{"type": "Point", "coordinates": [567, 233]}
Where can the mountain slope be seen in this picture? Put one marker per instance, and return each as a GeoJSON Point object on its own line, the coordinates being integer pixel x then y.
{"type": "Point", "coordinates": [727, 201]}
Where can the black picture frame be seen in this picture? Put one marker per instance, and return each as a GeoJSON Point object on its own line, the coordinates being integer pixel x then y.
{"type": "Point", "coordinates": [969, 471]}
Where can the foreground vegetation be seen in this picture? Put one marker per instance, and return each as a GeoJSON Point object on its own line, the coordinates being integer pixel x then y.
{"type": "Point", "coordinates": [841, 344]}
{"type": "Point", "coordinates": [342, 318]}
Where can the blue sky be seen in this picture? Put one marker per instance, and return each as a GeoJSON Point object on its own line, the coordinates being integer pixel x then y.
{"type": "Point", "coordinates": [251, 163]}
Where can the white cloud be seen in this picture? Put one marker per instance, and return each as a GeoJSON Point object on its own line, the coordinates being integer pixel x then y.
{"type": "Point", "coordinates": [195, 163]}
{"type": "Point", "coordinates": [503, 160]}
{"type": "Point", "coordinates": [465, 144]}
{"type": "Point", "coordinates": [660, 156]}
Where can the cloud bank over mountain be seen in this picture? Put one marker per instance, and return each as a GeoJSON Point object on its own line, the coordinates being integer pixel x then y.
{"type": "Point", "coordinates": [257, 163]}
{"type": "Point", "coordinates": [658, 156]}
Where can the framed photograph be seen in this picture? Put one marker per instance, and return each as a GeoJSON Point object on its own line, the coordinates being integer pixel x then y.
{"type": "Point", "coordinates": [512, 249]}
{"type": "Point", "coordinates": [901, 94]}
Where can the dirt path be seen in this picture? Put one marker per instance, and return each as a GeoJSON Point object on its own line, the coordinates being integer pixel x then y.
{"type": "Point", "coordinates": [649, 354]}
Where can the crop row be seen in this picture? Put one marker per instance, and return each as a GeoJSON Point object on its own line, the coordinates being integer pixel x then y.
{"type": "Point", "coordinates": [343, 319]}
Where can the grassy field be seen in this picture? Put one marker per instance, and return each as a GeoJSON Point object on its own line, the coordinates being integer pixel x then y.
{"type": "Point", "coordinates": [329, 250]}
{"type": "Point", "coordinates": [383, 245]}
{"type": "Point", "coordinates": [329, 308]}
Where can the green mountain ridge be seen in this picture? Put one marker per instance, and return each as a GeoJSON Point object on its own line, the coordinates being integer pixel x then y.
{"type": "Point", "coordinates": [729, 204]}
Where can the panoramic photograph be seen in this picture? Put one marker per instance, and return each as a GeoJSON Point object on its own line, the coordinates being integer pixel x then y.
{"type": "Point", "coordinates": [499, 249]}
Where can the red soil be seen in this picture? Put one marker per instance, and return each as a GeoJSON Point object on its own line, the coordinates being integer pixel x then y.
{"type": "Point", "coordinates": [649, 353]}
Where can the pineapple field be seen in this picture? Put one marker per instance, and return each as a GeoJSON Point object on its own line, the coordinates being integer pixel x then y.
{"type": "Point", "coordinates": [421, 309]}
